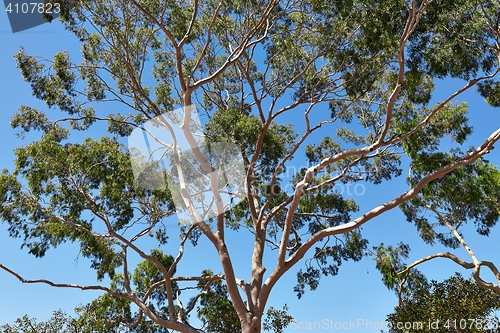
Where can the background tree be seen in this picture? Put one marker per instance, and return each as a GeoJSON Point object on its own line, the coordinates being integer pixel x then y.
{"type": "Point", "coordinates": [59, 322]}
{"type": "Point", "coordinates": [108, 314]}
{"type": "Point", "coordinates": [251, 67]}
{"type": "Point", "coordinates": [456, 304]}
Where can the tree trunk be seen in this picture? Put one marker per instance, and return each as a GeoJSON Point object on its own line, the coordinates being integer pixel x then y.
{"type": "Point", "coordinates": [253, 325]}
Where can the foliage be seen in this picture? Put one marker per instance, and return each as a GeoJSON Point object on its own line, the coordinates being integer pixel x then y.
{"type": "Point", "coordinates": [102, 315]}
{"type": "Point", "coordinates": [456, 304]}
{"type": "Point", "coordinates": [215, 309]}
{"type": "Point", "coordinates": [277, 320]}
{"type": "Point", "coordinates": [59, 322]}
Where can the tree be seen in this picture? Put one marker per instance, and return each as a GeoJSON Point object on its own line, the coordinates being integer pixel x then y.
{"type": "Point", "coordinates": [454, 305]}
{"type": "Point", "coordinates": [59, 322]}
{"type": "Point", "coordinates": [216, 310]}
{"type": "Point", "coordinates": [108, 314]}
{"type": "Point", "coordinates": [249, 67]}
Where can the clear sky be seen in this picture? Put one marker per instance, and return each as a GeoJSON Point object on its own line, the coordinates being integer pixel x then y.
{"type": "Point", "coordinates": [355, 295]}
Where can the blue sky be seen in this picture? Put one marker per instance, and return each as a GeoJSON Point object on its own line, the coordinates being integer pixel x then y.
{"type": "Point", "coordinates": [355, 295]}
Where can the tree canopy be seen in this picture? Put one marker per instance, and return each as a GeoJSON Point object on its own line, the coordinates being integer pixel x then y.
{"type": "Point", "coordinates": [314, 95]}
{"type": "Point", "coordinates": [454, 305]}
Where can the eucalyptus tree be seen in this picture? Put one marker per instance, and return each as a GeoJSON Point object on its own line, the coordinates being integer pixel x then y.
{"type": "Point", "coordinates": [345, 85]}
{"type": "Point", "coordinates": [59, 322]}
{"type": "Point", "coordinates": [454, 305]}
